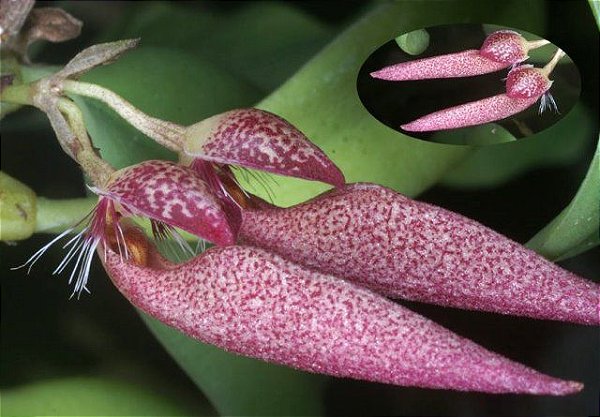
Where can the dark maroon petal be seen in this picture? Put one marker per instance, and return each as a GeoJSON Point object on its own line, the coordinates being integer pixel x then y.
{"type": "Point", "coordinates": [258, 139]}
{"type": "Point", "coordinates": [471, 114]}
{"type": "Point", "coordinates": [461, 64]}
{"type": "Point", "coordinates": [172, 194]}
{"type": "Point", "coordinates": [408, 249]}
{"type": "Point", "coordinates": [254, 303]}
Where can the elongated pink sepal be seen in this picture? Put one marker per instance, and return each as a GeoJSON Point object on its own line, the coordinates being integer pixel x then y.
{"type": "Point", "coordinates": [173, 194]}
{"type": "Point", "coordinates": [261, 140]}
{"type": "Point", "coordinates": [403, 248]}
{"type": "Point", "coordinates": [254, 303]}
{"type": "Point", "coordinates": [473, 113]}
{"type": "Point", "coordinates": [460, 64]}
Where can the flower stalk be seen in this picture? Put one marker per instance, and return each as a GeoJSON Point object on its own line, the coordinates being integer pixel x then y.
{"type": "Point", "coordinates": [165, 133]}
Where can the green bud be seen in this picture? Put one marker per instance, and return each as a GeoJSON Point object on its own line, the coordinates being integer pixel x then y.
{"type": "Point", "coordinates": [17, 209]}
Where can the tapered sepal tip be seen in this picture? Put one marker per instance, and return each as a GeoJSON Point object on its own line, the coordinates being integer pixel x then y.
{"type": "Point", "coordinates": [174, 195]}
{"type": "Point", "coordinates": [280, 312]}
{"type": "Point", "coordinates": [257, 139]}
{"type": "Point", "coordinates": [467, 63]}
{"type": "Point", "coordinates": [407, 249]}
{"type": "Point", "coordinates": [474, 113]}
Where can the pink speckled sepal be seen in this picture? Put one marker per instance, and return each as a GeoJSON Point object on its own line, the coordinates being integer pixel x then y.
{"type": "Point", "coordinates": [504, 46]}
{"type": "Point", "coordinates": [461, 64]}
{"type": "Point", "coordinates": [404, 248]}
{"type": "Point", "coordinates": [527, 82]}
{"type": "Point", "coordinates": [172, 194]}
{"type": "Point", "coordinates": [256, 304]}
{"type": "Point", "coordinates": [473, 113]}
{"type": "Point", "coordinates": [261, 140]}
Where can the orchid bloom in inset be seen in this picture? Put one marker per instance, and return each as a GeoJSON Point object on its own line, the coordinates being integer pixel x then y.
{"type": "Point", "coordinates": [307, 302]}
{"type": "Point", "coordinates": [525, 85]}
{"type": "Point", "coordinates": [501, 49]}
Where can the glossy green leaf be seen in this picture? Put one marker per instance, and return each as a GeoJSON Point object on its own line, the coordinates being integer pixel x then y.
{"type": "Point", "coordinates": [321, 100]}
{"type": "Point", "coordinates": [595, 6]}
{"type": "Point", "coordinates": [561, 144]}
{"type": "Point", "coordinates": [241, 386]}
{"type": "Point", "coordinates": [262, 42]}
{"type": "Point", "coordinates": [577, 227]}
{"type": "Point", "coordinates": [81, 396]}
{"type": "Point", "coordinates": [169, 84]}
{"type": "Point", "coordinates": [415, 42]}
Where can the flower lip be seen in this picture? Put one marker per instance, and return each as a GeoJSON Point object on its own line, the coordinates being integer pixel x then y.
{"type": "Point", "coordinates": [172, 194]}
{"type": "Point", "coordinates": [258, 139]}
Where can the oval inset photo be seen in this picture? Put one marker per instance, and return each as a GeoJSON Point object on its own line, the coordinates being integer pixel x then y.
{"type": "Point", "coordinates": [469, 84]}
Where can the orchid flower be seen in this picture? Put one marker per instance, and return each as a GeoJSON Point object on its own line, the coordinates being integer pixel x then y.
{"type": "Point", "coordinates": [254, 300]}
{"type": "Point", "coordinates": [499, 50]}
{"type": "Point", "coordinates": [525, 85]}
{"type": "Point", "coordinates": [303, 299]}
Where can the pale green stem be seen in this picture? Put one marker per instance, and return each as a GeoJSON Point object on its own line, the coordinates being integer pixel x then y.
{"type": "Point", "coordinates": [536, 44]}
{"type": "Point", "coordinates": [168, 134]}
{"type": "Point", "coordinates": [547, 70]}
{"type": "Point", "coordinates": [95, 167]}
{"type": "Point", "coordinates": [55, 216]}
{"type": "Point", "coordinates": [18, 94]}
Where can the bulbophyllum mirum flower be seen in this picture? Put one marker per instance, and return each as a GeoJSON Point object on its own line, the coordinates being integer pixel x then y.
{"type": "Point", "coordinates": [255, 302]}
{"type": "Point", "coordinates": [525, 85]}
{"type": "Point", "coordinates": [170, 195]}
{"type": "Point", "coordinates": [499, 50]}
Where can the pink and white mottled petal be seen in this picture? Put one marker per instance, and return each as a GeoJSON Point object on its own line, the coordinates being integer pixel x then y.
{"type": "Point", "coordinates": [461, 64]}
{"type": "Point", "coordinates": [261, 140]}
{"type": "Point", "coordinates": [525, 81]}
{"type": "Point", "coordinates": [473, 113]}
{"type": "Point", "coordinates": [504, 46]}
{"type": "Point", "coordinates": [407, 249]}
{"type": "Point", "coordinates": [172, 194]}
{"type": "Point", "coordinates": [256, 304]}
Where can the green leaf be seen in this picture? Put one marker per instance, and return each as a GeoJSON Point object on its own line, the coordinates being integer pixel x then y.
{"type": "Point", "coordinates": [561, 144]}
{"type": "Point", "coordinates": [89, 396]}
{"type": "Point", "coordinates": [577, 227]}
{"type": "Point", "coordinates": [595, 6]}
{"type": "Point", "coordinates": [261, 42]}
{"type": "Point", "coordinates": [169, 84]}
{"type": "Point", "coordinates": [321, 100]}
{"type": "Point", "coordinates": [415, 42]}
{"type": "Point", "coordinates": [237, 385]}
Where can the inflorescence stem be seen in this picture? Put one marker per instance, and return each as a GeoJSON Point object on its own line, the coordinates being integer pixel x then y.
{"type": "Point", "coordinates": [549, 67]}
{"type": "Point", "coordinates": [93, 165]}
{"type": "Point", "coordinates": [537, 44]}
{"type": "Point", "coordinates": [169, 135]}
